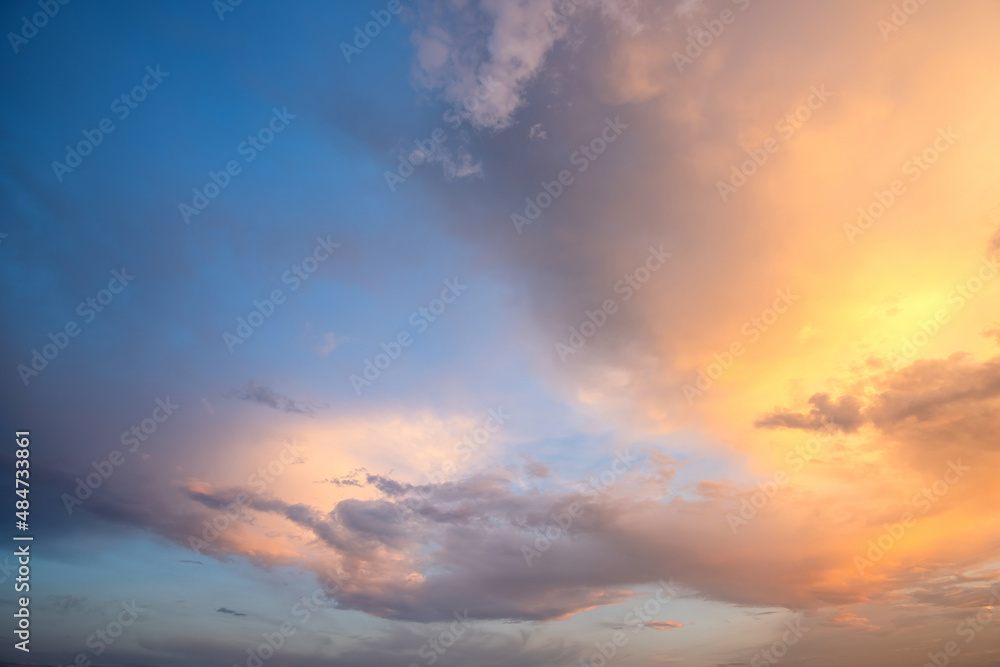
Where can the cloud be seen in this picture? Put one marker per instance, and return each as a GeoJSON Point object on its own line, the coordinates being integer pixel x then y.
{"type": "Point", "coordinates": [262, 395]}
{"type": "Point", "coordinates": [65, 604]}
{"type": "Point", "coordinates": [663, 625]}
{"type": "Point", "coordinates": [417, 552]}
{"type": "Point", "coordinates": [926, 391]}
{"type": "Point", "coordinates": [500, 46]}
{"type": "Point", "coordinates": [350, 479]}
{"type": "Point", "coordinates": [223, 610]}
{"type": "Point", "coordinates": [417, 555]}
{"type": "Point", "coordinates": [844, 414]}
{"type": "Point", "coordinates": [537, 470]}
{"type": "Point", "coordinates": [331, 342]}
{"type": "Point", "coordinates": [924, 413]}
{"type": "Point", "coordinates": [457, 164]}
{"type": "Point", "coordinates": [963, 592]}
{"type": "Point", "coordinates": [993, 217]}
{"type": "Point", "coordinates": [625, 13]}
{"type": "Point", "coordinates": [847, 618]}
{"type": "Point", "coordinates": [932, 388]}
{"type": "Point", "coordinates": [505, 51]}
{"type": "Point", "coordinates": [521, 646]}
{"type": "Point", "coordinates": [344, 481]}
{"type": "Point", "coordinates": [420, 551]}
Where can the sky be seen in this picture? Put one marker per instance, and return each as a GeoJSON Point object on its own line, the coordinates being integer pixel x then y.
{"type": "Point", "coordinates": [501, 332]}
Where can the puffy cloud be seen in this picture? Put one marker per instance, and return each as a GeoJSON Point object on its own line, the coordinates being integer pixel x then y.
{"type": "Point", "coordinates": [420, 552]}
{"type": "Point", "coordinates": [484, 55]}
{"type": "Point", "coordinates": [498, 58]}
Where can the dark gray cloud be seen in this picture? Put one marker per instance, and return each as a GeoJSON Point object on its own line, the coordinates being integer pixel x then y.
{"type": "Point", "coordinates": [223, 610]}
{"type": "Point", "coordinates": [343, 481]}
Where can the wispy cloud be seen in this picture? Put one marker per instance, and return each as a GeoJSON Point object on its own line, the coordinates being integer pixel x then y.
{"type": "Point", "coordinates": [253, 392]}
{"type": "Point", "coordinates": [223, 610]}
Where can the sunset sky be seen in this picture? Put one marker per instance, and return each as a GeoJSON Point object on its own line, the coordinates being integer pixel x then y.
{"type": "Point", "coordinates": [503, 332]}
